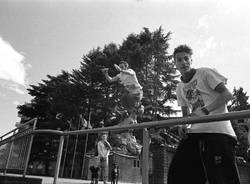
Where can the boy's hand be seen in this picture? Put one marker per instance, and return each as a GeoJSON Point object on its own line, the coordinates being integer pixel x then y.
{"type": "Point", "coordinates": [105, 70]}
{"type": "Point", "coordinates": [182, 131]}
{"type": "Point", "coordinates": [107, 145]}
{"type": "Point", "coordinates": [117, 67]}
{"type": "Point", "coordinates": [198, 112]}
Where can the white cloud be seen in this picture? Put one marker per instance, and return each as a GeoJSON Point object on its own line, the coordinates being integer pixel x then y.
{"type": "Point", "coordinates": [206, 45]}
{"type": "Point", "coordinates": [12, 67]}
{"type": "Point", "coordinates": [17, 89]}
{"type": "Point", "coordinates": [2, 95]}
{"type": "Point", "coordinates": [210, 43]}
{"type": "Point", "coordinates": [203, 22]}
{"type": "Point", "coordinates": [16, 103]}
{"type": "Point", "coordinates": [232, 6]}
{"type": "Point", "coordinates": [20, 89]}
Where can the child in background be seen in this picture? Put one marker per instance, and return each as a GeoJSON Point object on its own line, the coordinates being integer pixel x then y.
{"type": "Point", "coordinates": [95, 171]}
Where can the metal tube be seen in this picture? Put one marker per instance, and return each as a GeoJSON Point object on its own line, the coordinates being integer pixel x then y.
{"type": "Point", "coordinates": [169, 122]}
{"type": "Point", "coordinates": [86, 144]}
{"type": "Point", "coordinates": [145, 157]}
{"type": "Point", "coordinates": [58, 161]}
{"type": "Point", "coordinates": [65, 156]}
{"type": "Point", "coordinates": [75, 147]}
{"type": "Point", "coordinates": [8, 158]}
{"type": "Point", "coordinates": [85, 150]}
{"type": "Point", "coordinates": [29, 149]}
{"type": "Point", "coordinates": [74, 156]}
{"type": "Point", "coordinates": [28, 155]}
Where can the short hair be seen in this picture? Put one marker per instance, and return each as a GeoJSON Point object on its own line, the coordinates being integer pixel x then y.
{"type": "Point", "coordinates": [125, 63]}
{"type": "Point", "coordinates": [104, 133]}
{"type": "Point", "coordinates": [183, 48]}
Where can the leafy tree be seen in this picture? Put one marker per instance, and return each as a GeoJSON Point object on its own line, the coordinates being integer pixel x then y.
{"type": "Point", "coordinates": [240, 102]}
{"type": "Point", "coordinates": [147, 55]}
{"type": "Point", "coordinates": [85, 91]}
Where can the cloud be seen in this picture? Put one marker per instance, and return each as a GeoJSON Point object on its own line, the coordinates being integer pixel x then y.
{"type": "Point", "coordinates": [203, 22]}
{"type": "Point", "coordinates": [206, 45]}
{"type": "Point", "coordinates": [2, 95]}
{"type": "Point", "coordinates": [17, 89]}
{"type": "Point", "coordinates": [210, 43]}
{"type": "Point", "coordinates": [12, 67]}
{"type": "Point", "coordinates": [16, 103]}
{"type": "Point", "coordinates": [232, 6]}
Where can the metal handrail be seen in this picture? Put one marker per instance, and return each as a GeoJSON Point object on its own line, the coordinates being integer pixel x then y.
{"type": "Point", "coordinates": [144, 126]}
{"type": "Point", "coordinates": [160, 123]}
{"type": "Point", "coordinates": [169, 122]}
{"type": "Point", "coordinates": [22, 125]}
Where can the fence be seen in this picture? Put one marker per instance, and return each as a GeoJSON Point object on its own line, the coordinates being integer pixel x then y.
{"type": "Point", "coordinates": [15, 146]}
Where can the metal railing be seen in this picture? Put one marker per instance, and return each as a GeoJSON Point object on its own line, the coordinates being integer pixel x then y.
{"type": "Point", "coordinates": [15, 147]}
{"type": "Point", "coordinates": [13, 136]}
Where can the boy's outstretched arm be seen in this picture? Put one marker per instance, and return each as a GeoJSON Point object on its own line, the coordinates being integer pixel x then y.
{"type": "Point", "coordinates": [110, 79]}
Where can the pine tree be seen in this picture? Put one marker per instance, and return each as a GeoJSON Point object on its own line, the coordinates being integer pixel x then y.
{"type": "Point", "coordinates": [241, 127]}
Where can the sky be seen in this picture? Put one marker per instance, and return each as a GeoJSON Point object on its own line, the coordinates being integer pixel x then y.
{"type": "Point", "coordinates": [41, 37]}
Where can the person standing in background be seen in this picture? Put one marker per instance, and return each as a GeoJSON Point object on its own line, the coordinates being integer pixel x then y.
{"type": "Point", "coordinates": [103, 147]}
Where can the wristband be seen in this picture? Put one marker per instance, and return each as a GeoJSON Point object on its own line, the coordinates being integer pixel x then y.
{"type": "Point", "coordinates": [204, 109]}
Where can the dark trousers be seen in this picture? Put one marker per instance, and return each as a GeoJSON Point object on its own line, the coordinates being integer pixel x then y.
{"type": "Point", "coordinates": [204, 157]}
{"type": "Point", "coordinates": [104, 168]}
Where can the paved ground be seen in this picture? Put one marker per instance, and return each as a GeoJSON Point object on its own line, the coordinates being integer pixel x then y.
{"type": "Point", "coordinates": [70, 181]}
{"type": "Point", "coordinates": [49, 180]}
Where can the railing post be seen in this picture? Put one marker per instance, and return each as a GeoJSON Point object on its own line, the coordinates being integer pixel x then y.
{"type": "Point", "coordinates": [74, 156]}
{"type": "Point", "coordinates": [29, 149]}
{"type": "Point", "coordinates": [65, 155]}
{"type": "Point", "coordinates": [85, 150]}
{"type": "Point", "coordinates": [145, 157]}
{"type": "Point", "coordinates": [58, 161]}
{"type": "Point", "coordinates": [8, 157]}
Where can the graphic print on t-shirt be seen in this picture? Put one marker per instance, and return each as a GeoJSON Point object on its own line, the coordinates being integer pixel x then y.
{"type": "Point", "coordinates": [193, 95]}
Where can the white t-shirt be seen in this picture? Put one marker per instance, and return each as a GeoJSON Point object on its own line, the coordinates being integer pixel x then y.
{"type": "Point", "coordinates": [103, 151]}
{"type": "Point", "coordinates": [129, 81]}
{"type": "Point", "coordinates": [199, 92]}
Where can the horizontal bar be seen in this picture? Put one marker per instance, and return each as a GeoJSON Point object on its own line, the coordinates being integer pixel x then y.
{"type": "Point", "coordinates": [22, 125]}
{"type": "Point", "coordinates": [170, 122]}
{"type": "Point", "coordinates": [39, 131]}
{"type": "Point", "coordinates": [161, 123]}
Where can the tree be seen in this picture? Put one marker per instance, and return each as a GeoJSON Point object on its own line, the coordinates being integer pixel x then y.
{"type": "Point", "coordinates": [240, 102]}
{"type": "Point", "coordinates": [85, 91]}
{"type": "Point", "coordinates": [147, 55]}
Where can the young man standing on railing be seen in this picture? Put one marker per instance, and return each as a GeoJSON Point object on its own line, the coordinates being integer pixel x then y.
{"type": "Point", "coordinates": [132, 94]}
{"type": "Point", "coordinates": [207, 150]}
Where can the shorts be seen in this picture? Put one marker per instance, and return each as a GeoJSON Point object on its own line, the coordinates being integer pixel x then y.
{"type": "Point", "coordinates": [130, 101]}
{"type": "Point", "coordinates": [202, 157]}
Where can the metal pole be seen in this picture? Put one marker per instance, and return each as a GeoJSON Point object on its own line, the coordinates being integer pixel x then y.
{"type": "Point", "coordinates": [85, 146]}
{"type": "Point", "coordinates": [29, 149]}
{"type": "Point", "coordinates": [8, 158]}
{"type": "Point", "coordinates": [74, 154]}
{"type": "Point", "coordinates": [65, 156]}
{"type": "Point", "coordinates": [145, 156]}
{"type": "Point", "coordinates": [28, 155]}
{"type": "Point", "coordinates": [58, 161]}
{"type": "Point", "coordinates": [85, 149]}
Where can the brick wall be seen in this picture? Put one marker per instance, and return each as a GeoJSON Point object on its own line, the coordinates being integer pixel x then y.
{"type": "Point", "coordinates": [244, 170]}
{"type": "Point", "coordinates": [161, 160]}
